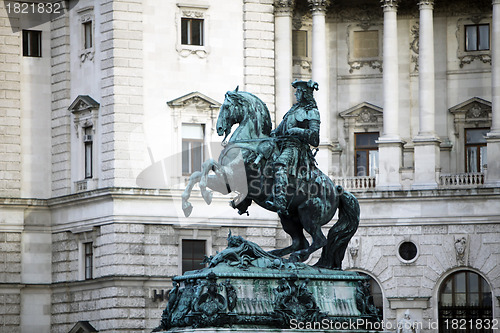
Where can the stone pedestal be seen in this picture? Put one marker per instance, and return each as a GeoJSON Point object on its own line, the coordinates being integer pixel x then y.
{"type": "Point", "coordinates": [426, 162]}
{"type": "Point", "coordinates": [267, 294]}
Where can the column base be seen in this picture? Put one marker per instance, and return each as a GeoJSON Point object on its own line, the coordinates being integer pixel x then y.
{"type": "Point", "coordinates": [390, 162]}
{"type": "Point", "coordinates": [426, 162]}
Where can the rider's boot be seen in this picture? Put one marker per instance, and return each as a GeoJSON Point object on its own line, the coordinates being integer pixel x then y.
{"type": "Point", "coordinates": [280, 184]}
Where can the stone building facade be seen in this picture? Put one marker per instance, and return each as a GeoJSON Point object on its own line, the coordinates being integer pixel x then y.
{"type": "Point", "coordinates": [99, 98]}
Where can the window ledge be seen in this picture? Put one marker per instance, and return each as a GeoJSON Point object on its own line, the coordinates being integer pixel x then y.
{"type": "Point", "coordinates": [187, 50]}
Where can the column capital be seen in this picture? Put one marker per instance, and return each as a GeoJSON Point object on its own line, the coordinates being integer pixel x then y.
{"type": "Point", "coordinates": [426, 4]}
{"type": "Point", "coordinates": [496, 2]}
{"type": "Point", "coordinates": [389, 4]}
{"type": "Point", "coordinates": [283, 6]}
{"type": "Point", "coordinates": [318, 6]}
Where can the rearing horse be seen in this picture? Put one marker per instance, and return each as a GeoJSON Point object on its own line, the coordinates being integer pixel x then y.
{"type": "Point", "coordinates": [245, 166]}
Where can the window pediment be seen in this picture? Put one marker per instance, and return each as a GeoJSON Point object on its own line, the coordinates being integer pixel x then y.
{"type": "Point", "coordinates": [196, 100]}
{"type": "Point", "coordinates": [83, 327]}
{"type": "Point", "coordinates": [475, 112]}
{"type": "Point", "coordinates": [364, 115]}
{"type": "Point", "coordinates": [83, 103]}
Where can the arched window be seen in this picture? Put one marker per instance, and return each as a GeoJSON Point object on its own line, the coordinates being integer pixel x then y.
{"type": "Point", "coordinates": [465, 304]}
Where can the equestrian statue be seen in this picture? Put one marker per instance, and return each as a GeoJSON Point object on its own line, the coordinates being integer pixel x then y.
{"type": "Point", "coordinates": [277, 170]}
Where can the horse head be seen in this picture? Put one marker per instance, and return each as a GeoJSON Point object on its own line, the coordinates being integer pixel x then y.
{"type": "Point", "coordinates": [246, 109]}
{"type": "Point", "coordinates": [228, 115]}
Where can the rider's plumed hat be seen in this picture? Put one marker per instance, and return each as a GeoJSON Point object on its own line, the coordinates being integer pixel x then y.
{"type": "Point", "coordinates": [309, 85]}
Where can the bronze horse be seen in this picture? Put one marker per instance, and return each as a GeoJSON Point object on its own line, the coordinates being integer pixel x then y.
{"type": "Point", "coordinates": [245, 166]}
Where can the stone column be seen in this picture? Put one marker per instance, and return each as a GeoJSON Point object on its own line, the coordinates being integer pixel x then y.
{"type": "Point", "coordinates": [320, 71]}
{"type": "Point", "coordinates": [426, 143]}
{"type": "Point", "coordinates": [283, 11]}
{"type": "Point", "coordinates": [390, 144]}
{"type": "Point", "coordinates": [493, 137]}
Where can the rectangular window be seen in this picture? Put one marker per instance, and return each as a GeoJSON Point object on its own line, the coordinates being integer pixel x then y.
{"type": "Point", "coordinates": [191, 31]}
{"type": "Point", "coordinates": [299, 43]}
{"type": "Point", "coordinates": [366, 44]}
{"type": "Point", "coordinates": [32, 43]}
{"type": "Point", "coordinates": [192, 148]}
{"type": "Point", "coordinates": [87, 35]}
{"type": "Point", "coordinates": [475, 149]}
{"type": "Point", "coordinates": [366, 154]}
{"type": "Point", "coordinates": [88, 144]}
{"type": "Point", "coordinates": [193, 254]}
{"type": "Point", "coordinates": [477, 37]}
{"type": "Point", "coordinates": [89, 260]}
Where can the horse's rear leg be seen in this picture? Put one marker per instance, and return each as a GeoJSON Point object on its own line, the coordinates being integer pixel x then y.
{"type": "Point", "coordinates": [309, 216]}
{"type": "Point", "coordinates": [291, 225]}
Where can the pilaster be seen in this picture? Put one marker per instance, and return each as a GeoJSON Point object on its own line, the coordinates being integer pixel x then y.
{"type": "Point", "coordinates": [493, 137]}
{"type": "Point", "coordinates": [10, 106]}
{"type": "Point", "coordinates": [283, 11]}
{"type": "Point", "coordinates": [426, 143]}
{"type": "Point", "coordinates": [259, 45]}
{"type": "Point", "coordinates": [390, 143]}
{"type": "Point", "coordinates": [320, 70]}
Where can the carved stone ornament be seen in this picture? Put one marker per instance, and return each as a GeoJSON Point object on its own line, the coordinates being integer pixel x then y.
{"type": "Point", "coordinates": [461, 250]}
{"type": "Point", "coordinates": [365, 15]}
{"type": "Point", "coordinates": [318, 5]}
{"type": "Point", "coordinates": [283, 6]}
{"type": "Point", "coordinates": [389, 4]}
{"type": "Point", "coordinates": [484, 58]}
{"type": "Point", "coordinates": [193, 14]}
{"type": "Point", "coordinates": [426, 4]}
{"type": "Point", "coordinates": [354, 247]}
{"type": "Point", "coordinates": [414, 45]}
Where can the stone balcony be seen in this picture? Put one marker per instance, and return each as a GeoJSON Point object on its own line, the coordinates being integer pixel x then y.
{"type": "Point", "coordinates": [446, 181]}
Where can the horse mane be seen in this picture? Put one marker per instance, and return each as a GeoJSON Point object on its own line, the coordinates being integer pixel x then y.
{"type": "Point", "coordinates": [261, 117]}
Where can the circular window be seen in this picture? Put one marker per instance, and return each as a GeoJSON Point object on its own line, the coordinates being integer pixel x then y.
{"type": "Point", "coordinates": [408, 251]}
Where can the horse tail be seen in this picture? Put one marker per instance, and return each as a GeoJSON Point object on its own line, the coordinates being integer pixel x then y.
{"type": "Point", "coordinates": [341, 232]}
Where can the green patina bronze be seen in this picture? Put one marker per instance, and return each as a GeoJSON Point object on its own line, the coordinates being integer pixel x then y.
{"type": "Point", "coordinates": [277, 170]}
{"type": "Point", "coordinates": [243, 284]}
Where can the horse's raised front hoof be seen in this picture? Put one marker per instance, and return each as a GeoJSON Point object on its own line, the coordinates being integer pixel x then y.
{"type": "Point", "coordinates": [207, 196]}
{"type": "Point", "coordinates": [187, 208]}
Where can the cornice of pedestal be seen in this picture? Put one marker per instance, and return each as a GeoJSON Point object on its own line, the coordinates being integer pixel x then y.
{"type": "Point", "coordinates": [390, 140]}
{"type": "Point", "coordinates": [421, 140]}
{"type": "Point", "coordinates": [493, 136]}
{"type": "Point", "coordinates": [283, 7]}
{"type": "Point", "coordinates": [389, 4]}
{"type": "Point", "coordinates": [318, 6]}
{"type": "Point", "coordinates": [496, 2]}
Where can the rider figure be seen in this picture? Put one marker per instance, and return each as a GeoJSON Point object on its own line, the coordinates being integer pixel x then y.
{"type": "Point", "coordinates": [298, 130]}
